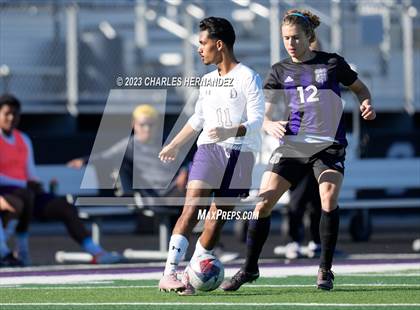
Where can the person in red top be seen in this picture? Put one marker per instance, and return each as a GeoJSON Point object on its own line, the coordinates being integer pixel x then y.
{"type": "Point", "coordinates": [19, 183]}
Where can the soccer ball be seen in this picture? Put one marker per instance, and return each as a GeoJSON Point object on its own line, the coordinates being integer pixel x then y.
{"type": "Point", "coordinates": [205, 272]}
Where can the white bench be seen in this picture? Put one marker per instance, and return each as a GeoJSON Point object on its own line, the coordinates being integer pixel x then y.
{"type": "Point", "coordinates": [97, 208]}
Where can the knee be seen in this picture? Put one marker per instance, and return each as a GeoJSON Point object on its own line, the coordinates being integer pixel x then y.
{"type": "Point", "coordinates": [264, 208]}
{"type": "Point", "coordinates": [18, 206]}
{"type": "Point", "coordinates": [329, 201]}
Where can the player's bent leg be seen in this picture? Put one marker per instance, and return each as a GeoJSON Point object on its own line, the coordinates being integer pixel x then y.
{"type": "Point", "coordinates": [197, 192]}
{"type": "Point", "coordinates": [57, 208]}
{"type": "Point", "coordinates": [273, 186]}
{"type": "Point", "coordinates": [329, 187]}
{"type": "Point", "coordinates": [330, 182]}
{"type": "Point", "coordinates": [213, 227]}
{"type": "Point", "coordinates": [20, 225]}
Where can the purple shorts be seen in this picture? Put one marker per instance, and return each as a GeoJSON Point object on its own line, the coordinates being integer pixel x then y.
{"type": "Point", "coordinates": [227, 171]}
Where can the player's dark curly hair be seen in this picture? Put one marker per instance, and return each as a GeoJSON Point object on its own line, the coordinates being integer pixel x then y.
{"type": "Point", "coordinates": [304, 19]}
{"type": "Point", "coordinates": [219, 29]}
{"type": "Point", "coordinates": [10, 100]}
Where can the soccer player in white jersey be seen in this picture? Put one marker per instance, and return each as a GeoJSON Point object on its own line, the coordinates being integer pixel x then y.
{"type": "Point", "coordinates": [230, 119]}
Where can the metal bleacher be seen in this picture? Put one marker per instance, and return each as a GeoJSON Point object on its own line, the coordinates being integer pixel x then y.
{"type": "Point", "coordinates": [39, 76]}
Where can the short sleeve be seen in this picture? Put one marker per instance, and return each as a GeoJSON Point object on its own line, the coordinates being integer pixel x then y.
{"type": "Point", "coordinates": [345, 74]}
{"type": "Point", "coordinates": [271, 86]}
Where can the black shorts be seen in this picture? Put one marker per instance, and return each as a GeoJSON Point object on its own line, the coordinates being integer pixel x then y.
{"type": "Point", "coordinates": [287, 162]}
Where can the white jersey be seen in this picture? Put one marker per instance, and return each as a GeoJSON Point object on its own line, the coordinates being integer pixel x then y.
{"type": "Point", "coordinates": [239, 101]}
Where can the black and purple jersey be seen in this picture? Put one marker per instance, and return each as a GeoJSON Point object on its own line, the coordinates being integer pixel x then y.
{"type": "Point", "coordinates": [309, 93]}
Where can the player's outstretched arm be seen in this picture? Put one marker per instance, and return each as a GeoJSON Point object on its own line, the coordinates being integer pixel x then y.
{"type": "Point", "coordinates": [363, 95]}
{"type": "Point", "coordinates": [170, 151]}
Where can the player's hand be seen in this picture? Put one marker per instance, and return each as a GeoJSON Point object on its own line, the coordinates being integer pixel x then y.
{"type": "Point", "coordinates": [368, 113]}
{"type": "Point", "coordinates": [276, 129]}
{"type": "Point", "coordinates": [220, 134]}
{"type": "Point", "coordinates": [76, 163]}
{"type": "Point", "coordinates": [168, 153]}
{"type": "Point", "coordinates": [5, 206]}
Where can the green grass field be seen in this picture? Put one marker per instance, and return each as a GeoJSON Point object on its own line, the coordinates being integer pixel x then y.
{"type": "Point", "coordinates": [368, 291]}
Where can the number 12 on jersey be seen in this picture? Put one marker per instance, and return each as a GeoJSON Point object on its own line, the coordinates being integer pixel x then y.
{"type": "Point", "coordinates": [313, 96]}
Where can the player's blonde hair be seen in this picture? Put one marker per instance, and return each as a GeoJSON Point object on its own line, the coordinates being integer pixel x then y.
{"type": "Point", "coordinates": [145, 110]}
{"type": "Point", "coordinates": [304, 19]}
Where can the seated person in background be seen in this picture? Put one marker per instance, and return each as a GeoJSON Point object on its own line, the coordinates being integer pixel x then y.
{"type": "Point", "coordinates": [141, 159]}
{"type": "Point", "coordinates": [18, 178]}
{"type": "Point", "coordinates": [146, 165]}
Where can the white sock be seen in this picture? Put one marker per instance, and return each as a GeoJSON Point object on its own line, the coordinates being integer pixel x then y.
{"type": "Point", "coordinates": [177, 248]}
{"type": "Point", "coordinates": [199, 249]}
{"type": "Point", "coordinates": [4, 249]}
{"type": "Point", "coordinates": [10, 229]}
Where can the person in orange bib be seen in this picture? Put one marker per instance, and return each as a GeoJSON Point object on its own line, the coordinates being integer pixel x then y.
{"type": "Point", "coordinates": [19, 182]}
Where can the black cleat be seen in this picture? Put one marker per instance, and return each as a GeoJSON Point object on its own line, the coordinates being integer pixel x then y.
{"type": "Point", "coordinates": [10, 261]}
{"type": "Point", "coordinates": [240, 278]}
{"type": "Point", "coordinates": [325, 279]}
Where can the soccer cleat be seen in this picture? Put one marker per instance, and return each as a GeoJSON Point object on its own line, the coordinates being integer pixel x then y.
{"type": "Point", "coordinates": [170, 282]}
{"type": "Point", "coordinates": [240, 278]}
{"type": "Point", "coordinates": [10, 260]}
{"type": "Point", "coordinates": [189, 290]}
{"type": "Point", "coordinates": [107, 258]}
{"type": "Point", "coordinates": [325, 279]}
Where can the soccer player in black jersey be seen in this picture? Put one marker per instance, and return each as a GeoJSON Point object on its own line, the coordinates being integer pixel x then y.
{"type": "Point", "coordinates": [307, 83]}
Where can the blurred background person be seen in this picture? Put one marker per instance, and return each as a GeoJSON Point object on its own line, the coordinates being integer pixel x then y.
{"type": "Point", "coordinates": [18, 178]}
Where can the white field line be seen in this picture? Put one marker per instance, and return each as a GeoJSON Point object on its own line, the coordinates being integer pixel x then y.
{"type": "Point", "coordinates": [275, 272]}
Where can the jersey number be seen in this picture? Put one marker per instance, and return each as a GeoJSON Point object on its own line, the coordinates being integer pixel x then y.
{"type": "Point", "coordinates": [313, 96]}
{"type": "Point", "coordinates": [227, 121]}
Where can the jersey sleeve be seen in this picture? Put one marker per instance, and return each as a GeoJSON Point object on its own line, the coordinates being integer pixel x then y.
{"type": "Point", "coordinates": [346, 75]}
{"type": "Point", "coordinates": [255, 105]}
{"type": "Point", "coordinates": [271, 86]}
{"type": "Point", "coordinates": [196, 120]}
